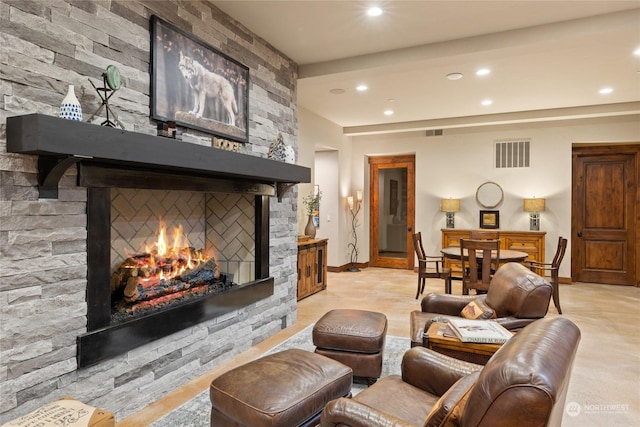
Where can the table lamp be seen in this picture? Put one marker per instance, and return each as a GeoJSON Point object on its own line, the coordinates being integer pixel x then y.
{"type": "Point", "coordinates": [450, 207]}
{"type": "Point", "coordinates": [534, 207]}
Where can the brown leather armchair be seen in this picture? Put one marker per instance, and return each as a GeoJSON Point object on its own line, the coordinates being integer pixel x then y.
{"type": "Point", "coordinates": [524, 384]}
{"type": "Point", "coordinates": [516, 295]}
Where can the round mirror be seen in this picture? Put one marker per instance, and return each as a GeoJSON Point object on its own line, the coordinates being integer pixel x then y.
{"type": "Point", "coordinates": [489, 195]}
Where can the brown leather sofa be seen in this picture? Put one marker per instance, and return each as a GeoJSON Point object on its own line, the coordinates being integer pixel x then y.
{"type": "Point", "coordinates": [524, 384]}
{"type": "Point", "coordinates": [516, 295]}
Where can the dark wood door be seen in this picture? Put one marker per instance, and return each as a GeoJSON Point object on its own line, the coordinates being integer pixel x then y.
{"type": "Point", "coordinates": [392, 211]}
{"type": "Point", "coordinates": [605, 214]}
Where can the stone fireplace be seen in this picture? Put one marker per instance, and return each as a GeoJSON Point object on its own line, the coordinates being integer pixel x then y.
{"type": "Point", "coordinates": [130, 185]}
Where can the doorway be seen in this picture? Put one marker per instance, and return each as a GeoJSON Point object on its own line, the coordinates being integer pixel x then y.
{"type": "Point", "coordinates": [605, 209]}
{"type": "Point", "coordinates": [392, 193]}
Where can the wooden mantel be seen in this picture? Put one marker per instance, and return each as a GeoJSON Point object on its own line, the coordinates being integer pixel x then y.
{"type": "Point", "coordinates": [60, 143]}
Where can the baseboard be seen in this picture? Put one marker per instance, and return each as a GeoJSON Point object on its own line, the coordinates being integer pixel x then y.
{"type": "Point", "coordinates": [347, 267]}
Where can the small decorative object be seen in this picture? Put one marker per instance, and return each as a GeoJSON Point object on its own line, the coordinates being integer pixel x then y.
{"type": "Point", "coordinates": [312, 205]}
{"type": "Point", "coordinates": [70, 108]}
{"type": "Point", "coordinates": [534, 207]}
{"type": "Point", "coordinates": [450, 207]}
{"type": "Point", "coordinates": [111, 83]}
{"type": "Point", "coordinates": [278, 150]}
{"type": "Point", "coordinates": [163, 129]}
{"type": "Point", "coordinates": [225, 144]}
{"type": "Point", "coordinates": [354, 208]}
{"type": "Point", "coordinates": [289, 154]}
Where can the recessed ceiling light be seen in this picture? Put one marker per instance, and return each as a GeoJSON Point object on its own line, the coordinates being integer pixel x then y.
{"type": "Point", "coordinates": [454, 76]}
{"type": "Point", "coordinates": [374, 11]}
{"type": "Point", "coordinates": [605, 90]}
{"type": "Point", "coordinates": [637, 52]}
{"type": "Point", "coordinates": [483, 72]}
{"type": "Point", "coordinates": [362, 88]}
{"type": "Point", "coordinates": [487, 102]}
{"type": "Point", "coordinates": [388, 112]}
{"type": "Point", "coordinates": [336, 91]}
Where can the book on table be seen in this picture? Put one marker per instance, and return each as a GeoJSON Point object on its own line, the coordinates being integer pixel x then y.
{"type": "Point", "coordinates": [479, 331]}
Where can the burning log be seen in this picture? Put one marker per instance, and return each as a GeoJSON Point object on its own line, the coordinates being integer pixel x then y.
{"type": "Point", "coordinates": [146, 276]}
{"type": "Point", "coordinates": [163, 274]}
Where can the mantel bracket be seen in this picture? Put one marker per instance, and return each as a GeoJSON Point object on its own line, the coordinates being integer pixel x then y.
{"type": "Point", "coordinates": [50, 171]}
{"type": "Point", "coordinates": [283, 187]}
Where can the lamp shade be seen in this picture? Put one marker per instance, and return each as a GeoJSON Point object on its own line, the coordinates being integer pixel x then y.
{"type": "Point", "coordinates": [350, 202]}
{"type": "Point", "coordinates": [534, 205]}
{"type": "Point", "coordinates": [450, 205]}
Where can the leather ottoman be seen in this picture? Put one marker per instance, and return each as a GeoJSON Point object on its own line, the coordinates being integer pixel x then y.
{"type": "Point", "coordinates": [285, 389]}
{"type": "Point", "coordinates": [353, 337]}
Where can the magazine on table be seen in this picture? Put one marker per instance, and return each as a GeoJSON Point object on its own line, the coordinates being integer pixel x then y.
{"type": "Point", "coordinates": [480, 331]}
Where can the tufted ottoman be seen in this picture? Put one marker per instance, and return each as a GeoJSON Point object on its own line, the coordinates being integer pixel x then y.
{"type": "Point", "coordinates": [285, 389]}
{"type": "Point", "coordinates": [353, 337]}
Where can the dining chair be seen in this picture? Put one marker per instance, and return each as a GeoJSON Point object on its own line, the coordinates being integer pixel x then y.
{"type": "Point", "coordinates": [484, 235]}
{"type": "Point", "coordinates": [430, 266]}
{"type": "Point", "coordinates": [479, 259]}
{"type": "Point", "coordinates": [552, 267]}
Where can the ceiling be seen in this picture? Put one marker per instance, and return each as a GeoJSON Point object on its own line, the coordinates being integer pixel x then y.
{"type": "Point", "coordinates": [548, 59]}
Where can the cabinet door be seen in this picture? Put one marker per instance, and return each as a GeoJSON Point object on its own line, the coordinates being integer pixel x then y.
{"type": "Point", "coordinates": [303, 277]}
{"type": "Point", "coordinates": [312, 268]}
{"type": "Point", "coordinates": [319, 278]}
{"type": "Point", "coordinates": [451, 238]}
{"type": "Point", "coordinates": [528, 244]}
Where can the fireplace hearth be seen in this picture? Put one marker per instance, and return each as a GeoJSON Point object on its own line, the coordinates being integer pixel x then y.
{"type": "Point", "coordinates": [108, 158]}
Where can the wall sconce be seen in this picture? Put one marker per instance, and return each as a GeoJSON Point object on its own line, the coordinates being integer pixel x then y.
{"type": "Point", "coordinates": [354, 208]}
{"type": "Point", "coordinates": [450, 207]}
{"type": "Point", "coordinates": [534, 207]}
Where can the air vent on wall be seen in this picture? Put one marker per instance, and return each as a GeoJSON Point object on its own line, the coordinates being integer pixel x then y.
{"type": "Point", "coordinates": [512, 154]}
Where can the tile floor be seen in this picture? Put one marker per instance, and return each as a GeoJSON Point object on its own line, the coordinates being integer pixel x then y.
{"type": "Point", "coordinates": [605, 383]}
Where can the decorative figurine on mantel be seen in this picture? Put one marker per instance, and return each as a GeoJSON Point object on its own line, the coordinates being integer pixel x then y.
{"type": "Point", "coordinates": [70, 107]}
{"type": "Point", "coordinates": [111, 83]}
{"type": "Point", "coordinates": [278, 150]}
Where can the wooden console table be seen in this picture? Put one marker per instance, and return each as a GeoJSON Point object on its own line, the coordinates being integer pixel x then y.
{"type": "Point", "coordinates": [531, 242]}
{"type": "Point", "coordinates": [312, 267]}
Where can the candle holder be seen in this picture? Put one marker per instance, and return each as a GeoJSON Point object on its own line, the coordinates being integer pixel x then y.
{"type": "Point", "coordinates": [354, 208]}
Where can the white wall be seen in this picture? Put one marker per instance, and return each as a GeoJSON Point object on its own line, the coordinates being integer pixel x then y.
{"type": "Point", "coordinates": [325, 149]}
{"type": "Point", "coordinates": [455, 164]}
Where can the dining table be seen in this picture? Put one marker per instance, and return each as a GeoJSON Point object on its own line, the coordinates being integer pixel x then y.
{"type": "Point", "coordinates": [506, 255]}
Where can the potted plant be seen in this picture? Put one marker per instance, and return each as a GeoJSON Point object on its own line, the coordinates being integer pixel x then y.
{"type": "Point", "coordinates": [311, 204]}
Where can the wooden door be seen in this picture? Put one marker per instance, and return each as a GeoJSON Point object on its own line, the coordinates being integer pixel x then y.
{"type": "Point", "coordinates": [392, 211]}
{"type": "Point", "coordinates": [605, 214]}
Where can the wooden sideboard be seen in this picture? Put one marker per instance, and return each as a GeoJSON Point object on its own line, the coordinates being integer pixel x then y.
{"type": "Point", "coordinates": [531, 242]}
{"type": "Point", "coordinates": [312, 267]}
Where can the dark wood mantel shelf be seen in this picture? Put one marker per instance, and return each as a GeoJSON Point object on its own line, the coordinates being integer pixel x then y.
{"type": "Point", "coordinates": [61, 143]}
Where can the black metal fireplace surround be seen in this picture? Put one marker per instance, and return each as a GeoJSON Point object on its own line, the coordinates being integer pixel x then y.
{"type": "Point", "coordinates": [108, 157]}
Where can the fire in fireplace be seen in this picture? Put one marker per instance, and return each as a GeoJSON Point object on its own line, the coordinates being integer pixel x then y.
{"type": "Point", "coordinates": [167, 271]}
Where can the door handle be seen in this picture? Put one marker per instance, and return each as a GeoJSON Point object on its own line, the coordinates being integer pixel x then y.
{"type": "Point", "coordinates": [579, 233]}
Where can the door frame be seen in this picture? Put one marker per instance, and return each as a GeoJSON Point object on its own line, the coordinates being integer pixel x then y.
{"type": "Point", "coordinates": [604, 149]}
{"type": "Point", "coordinates": [388, 162]}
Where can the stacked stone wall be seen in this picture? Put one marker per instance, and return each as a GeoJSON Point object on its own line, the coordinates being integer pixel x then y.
{"type": "Point", "coordinates": [46, 45]}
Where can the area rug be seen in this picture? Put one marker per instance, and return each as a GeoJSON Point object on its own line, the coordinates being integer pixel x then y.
{"type": "Point", "coordinates": [196, 412]}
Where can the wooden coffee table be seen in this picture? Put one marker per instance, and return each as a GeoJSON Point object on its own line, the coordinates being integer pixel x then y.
{"type": "Point", "coordinates": [451, 346]}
